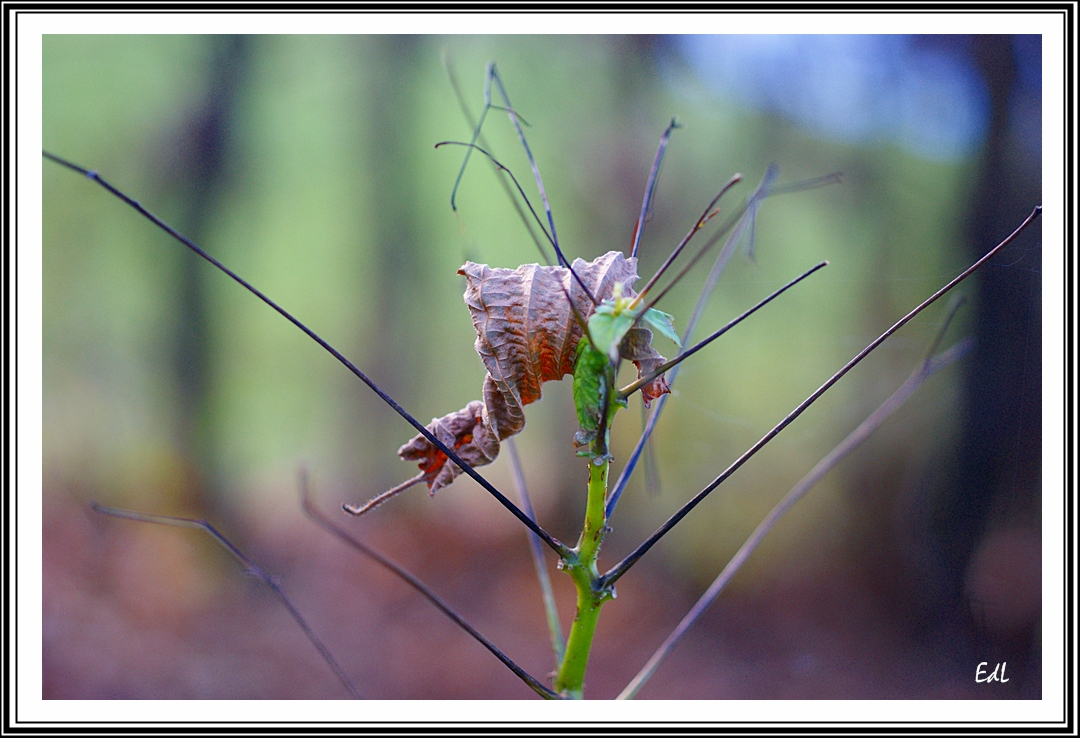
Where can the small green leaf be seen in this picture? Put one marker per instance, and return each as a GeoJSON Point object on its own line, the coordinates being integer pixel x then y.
{"type": "Point", "coordinates": [591, 370]}
{"type": "Point", "coordinates": [588, 374]}
{"type": "Point", "coordinates": [607, 328]}
{"type": "Point", "coordinates": [663, 324]}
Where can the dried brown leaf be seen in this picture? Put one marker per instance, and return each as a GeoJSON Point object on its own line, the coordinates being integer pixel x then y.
{"type": "Point", "coordinates": [526, 334]}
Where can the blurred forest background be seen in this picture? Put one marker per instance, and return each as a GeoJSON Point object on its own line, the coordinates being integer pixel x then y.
{"type": "Point", "coordinates": [307, 165]}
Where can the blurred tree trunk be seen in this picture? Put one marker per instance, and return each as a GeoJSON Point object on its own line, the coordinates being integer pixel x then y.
{"type": "Point", "coordinates": [394, 73]}
{"type": "Point", "coordinates": [997, 482]}
{"type": "Point", "coordinates": [196, 169]}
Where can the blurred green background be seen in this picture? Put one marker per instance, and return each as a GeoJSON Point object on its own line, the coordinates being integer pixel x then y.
{"type": "Point", "coordinates": [307, 165]}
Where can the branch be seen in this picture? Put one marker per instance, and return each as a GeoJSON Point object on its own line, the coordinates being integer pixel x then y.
{"type": "Point", "coordinates": [267, 579]}
{"type": "Point", "coordinates": [326, 524]}
{"type": "Point", "coordinates": [621, 568]}
{"type": "Point", "coordinates": [856, 437]}
{"type": "Point", "coordinates": [635, 386]}
{"type": "Point", "coordinates": [558, 547]}
{"type": "Point", "coordinates": [646, 200]}
{"type": "Point", "coordinates": [551, 611]}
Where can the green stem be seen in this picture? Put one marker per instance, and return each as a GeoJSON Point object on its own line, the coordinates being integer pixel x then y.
{"type": "Point", "coordinates": [592, 535]}
{"type": "Point", "coordinates": [570, 681]}
{"type": "Point", "coordinates": [581, 566]}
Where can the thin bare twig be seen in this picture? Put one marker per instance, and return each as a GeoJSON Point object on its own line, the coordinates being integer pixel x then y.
{"type": "Point", "coordinates": [249, 566]}
{"type": "Point", "coordinates": [856, 437]}
{"type": "Point", "coordinates": [551, 610]}
{"type": "Point", "coordinates": [650, 184]}
{"type": "Point", "coordinates": [558, 547]}
{"type": "Point", "coordinates": [638, 384]}
{"type": "Point", "coordinates": [623, 566]}
{"type": "Point", "coordinates": [705, 217]}
{"type": "Point", "coordinates": [711, 281]}
{"type": "Point", "coordinates": [377, 500]}
{"type": "Point", "coordinates": [493, 76]}
{"type": "Point", "coordinates": [328, 525]}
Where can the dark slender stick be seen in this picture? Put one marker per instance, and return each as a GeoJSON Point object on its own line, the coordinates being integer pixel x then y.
{"type": "Point", "coordinates": [621, 568]}
{"type": "Point", "coordinates": [737, 224]}
{"type": "Point", "coordinates": [699, 308]}
{"type": "Point", "coordinates": [635, 386]}
{"type": "Point", "coordinates": [646, 200]}
{"type": "Point", "coordinates": [501, 176]}
{"type": "Point", "coordinates": [267, 579]}
{"type": "Point", "coordinates": [493, 75]}
{"type": "Point", "coordinates": [544, 535]}
{"type": "Point", "coordinates": [326, 524]}
{"type": "Point", "coordinates": [578, 317]}
{"type": "Point", "coordinates": [502, 168]}
{"type": "Point", "coordinates": [856, 437]}
{"type": "Point", "coordinates": [706, 215]}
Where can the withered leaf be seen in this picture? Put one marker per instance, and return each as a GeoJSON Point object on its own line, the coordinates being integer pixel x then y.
{"type": "Point", "coordinates": [637, 347]}
{"type": "Point", "coordinates": [526, 334]}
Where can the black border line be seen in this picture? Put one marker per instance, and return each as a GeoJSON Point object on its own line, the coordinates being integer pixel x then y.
{"type": "Point", "coordinates": [11, 237]}
{"type": "Point", "coordinates": [1070, 418]}
{"type": "Point", "coordinates": [11, 231]}
{"type": "Point", "coordinates": [533, 8]}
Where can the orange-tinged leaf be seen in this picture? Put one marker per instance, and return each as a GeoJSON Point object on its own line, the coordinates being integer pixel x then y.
{"type": "Point", "coordinates": [526, 334]}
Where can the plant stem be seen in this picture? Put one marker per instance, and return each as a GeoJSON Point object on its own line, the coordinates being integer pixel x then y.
{"type": "Point", "coordinates": [581, 566]}
{"type": "Point", "coordinates": [570, 681]}
{"type": "Point", "coordinates": [592, 535]}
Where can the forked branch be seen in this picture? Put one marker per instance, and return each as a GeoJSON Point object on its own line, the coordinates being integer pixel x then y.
{"type": "Point", "coordinates": [638, 384]}
{"type": "Point", "coordinates": [623, 566]}
{"type": "Point", "coordinates": [328, 525]}
{"type": "Point", "coordinates": [734, 229]}
{"type": "Point", "coordinates": [558, 547]}
{"type": "Point", "coordinates": [267, 579]}
{"type": "Point", "coordinates": [650, 185]}
{"type": "Point", "coordinates": [501, 175]}
{"type": "Point", "coordinates": [923, 372]}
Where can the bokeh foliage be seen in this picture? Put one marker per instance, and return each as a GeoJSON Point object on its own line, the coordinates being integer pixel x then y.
{"type": "Point", "coordinates": [307, 165]}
